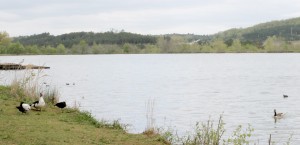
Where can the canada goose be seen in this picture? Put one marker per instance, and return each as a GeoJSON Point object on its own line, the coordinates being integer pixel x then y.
{"type": "Point", "coordinates": [278, 115]}
{"type": "Point", "coordinates": [39, 104]}
{"type": "Point", "coordinates": [285, 96]}
{"type": "Point", "coordinates": [23, 107]}
{"type": "Point", "coordinates": [61, 105]}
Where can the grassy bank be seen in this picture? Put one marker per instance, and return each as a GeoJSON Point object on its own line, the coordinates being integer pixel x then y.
{"type": "Point", "coordinates": [52, 126]}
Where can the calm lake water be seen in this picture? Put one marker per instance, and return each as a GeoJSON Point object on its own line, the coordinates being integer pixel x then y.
{"type": "Point", "coordinates": [186, 88]}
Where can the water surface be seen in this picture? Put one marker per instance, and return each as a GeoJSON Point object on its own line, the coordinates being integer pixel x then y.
{"type": "Point", "coordinates": [186, 88]}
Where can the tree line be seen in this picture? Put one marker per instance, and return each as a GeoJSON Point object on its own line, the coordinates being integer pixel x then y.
{"type": "Point", "coordinates": [68, 40]}
{"type": "Point", "coordinates": [164, 44]}
{"type": "Point", "coordinates": [275, 36]}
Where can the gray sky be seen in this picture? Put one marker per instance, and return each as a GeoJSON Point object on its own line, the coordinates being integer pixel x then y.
{"type": "Point", "coordinates": [26, 17]}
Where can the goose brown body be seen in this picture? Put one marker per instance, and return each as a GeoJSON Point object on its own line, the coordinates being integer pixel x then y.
{"type": "Point", "coordinates": [277, 114]}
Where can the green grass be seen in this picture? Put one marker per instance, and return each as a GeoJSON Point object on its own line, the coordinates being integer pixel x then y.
{"type": "Point", "coordinates": [53, 126]}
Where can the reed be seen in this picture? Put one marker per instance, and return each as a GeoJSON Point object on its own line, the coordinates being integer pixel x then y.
{"type": "Point", "coordinates": [27, 82]}
{"type": "Point", "coordinates": [207, 133]}
{"type": "Point", "coordinates": [288, 142]}
{"type": "Point", "coordinates": [27, 85]}
{"type": "Point", "coordinates": [150, 128]}
{"type": "Point", "coordinates": [51, 95]}
{"type": "Point", "coordinates": [76, 105]}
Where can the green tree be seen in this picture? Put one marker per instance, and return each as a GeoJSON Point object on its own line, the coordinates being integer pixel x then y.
{"type": "Point", "coordinates": [75, 49]}
{"type": "Point", "coordinates": [205, 48]}
{"type": "Point", "coordinates": [130, 48]}
{"type": "Point", "coordinates": [16, 48]}
{"type": "Point", "coordinates": [275, 44]}
{"type": "Point", "coordinates": [50, 50]}
{"type": "Point", "coordinates": [32, 49]}
{"type": "Point", "coordinates": [251, 48]}
{"type": "Point", "coordinates": [165, 44]}
{"type": "Point", "coordinates": [126, 48]}
{"type": "Point", "coordinates": [83, 46]}
{"type": "Point", "coordinates": [61, 49]}
{"type": "Point", "coordinates": [236, 46]}
{"type": "Point", "coordinates": [3, 49]}
{"type": "Point", "coordinates": [151, 49]}
{"type": "Point", "coordinates": [219, 45]}
{"type": "Point", "coordinates": [269, 44]}
{"type": "Point", "coordinates": [4, 42]}
{"type": "Point", "coordinates": [4, 39]}
{"type": "Point", "coordinates": [96, 48]}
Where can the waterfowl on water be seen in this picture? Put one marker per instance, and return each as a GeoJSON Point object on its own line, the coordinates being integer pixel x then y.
{"type": "Point", "coordinates": [23, 107]}
{"type": "Point", "coordinates": [61, 105]}
{"type": "Point", "coordinates": [277, 115]}
{"type": "Point", "coordinates": [39, 104]}
{"type": "Point", "coordinates": [285, 96]}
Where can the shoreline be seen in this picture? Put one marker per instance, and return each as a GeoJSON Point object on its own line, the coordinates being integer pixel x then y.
{"type": "Point", "coordinates": [55, 126]}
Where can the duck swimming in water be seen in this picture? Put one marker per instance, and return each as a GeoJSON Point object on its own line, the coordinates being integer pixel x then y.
{"type": "Point", "coordinates": [278, 115]}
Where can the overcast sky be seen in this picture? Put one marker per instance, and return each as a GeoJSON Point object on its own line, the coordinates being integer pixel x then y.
{"type": "Point", "coordinates": [26, 17]}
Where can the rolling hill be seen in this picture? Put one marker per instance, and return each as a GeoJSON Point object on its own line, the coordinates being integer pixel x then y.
{"type": "Point", "coordinates": [288, 29]}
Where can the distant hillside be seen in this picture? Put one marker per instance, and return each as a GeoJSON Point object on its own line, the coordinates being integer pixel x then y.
{"type": "Point", "coordinates": [288, 29]}
{"type": "Point", "coordinates": [70, 39]}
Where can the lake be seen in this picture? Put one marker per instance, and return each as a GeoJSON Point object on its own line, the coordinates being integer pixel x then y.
{"type": "Point", "coordinates": [185, 88]}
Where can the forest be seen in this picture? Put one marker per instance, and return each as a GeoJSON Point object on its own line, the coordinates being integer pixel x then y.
{"type": "Point", "coordinates": [270, 37]}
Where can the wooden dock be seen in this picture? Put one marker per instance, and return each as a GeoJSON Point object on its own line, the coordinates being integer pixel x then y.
{"type": "Point", "coordinates": [15, 66]}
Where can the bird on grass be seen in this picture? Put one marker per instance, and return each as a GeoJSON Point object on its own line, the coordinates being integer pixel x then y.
{"type": "Point", "coordinates": [37, 105]}
{"type": "Point", "coordinates": [61, 105]}
{"type": "Point", "coordinates": [23, 107]}
{"type": "Point", "coordinates": [277, 115]}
